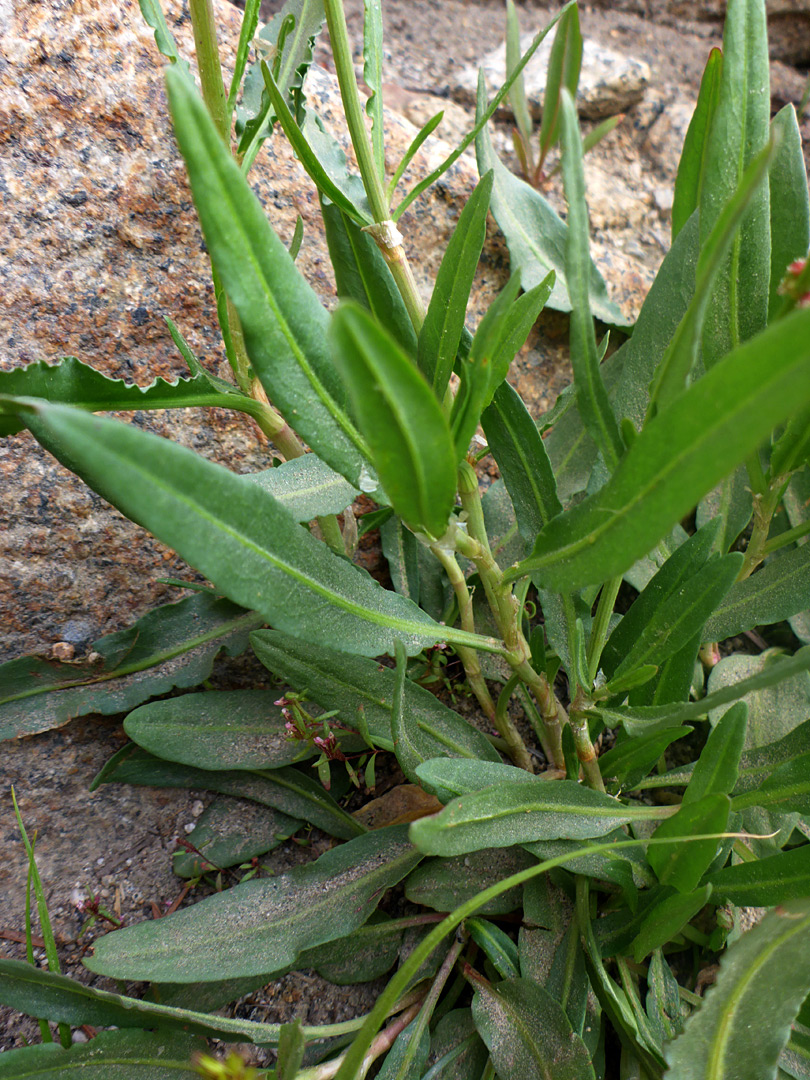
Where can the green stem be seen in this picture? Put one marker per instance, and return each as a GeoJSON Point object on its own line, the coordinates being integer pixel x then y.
{"type": "Point", "coordinates": [385, 232]}
{"type": "Point", "coordinates": [582, 741]}
{"type": "Point", "coordinates": [468, 657]}
{"type": "Point", "coordinates": [787, 537]}
{"type": "Point", "coordinates": [765, 506]}
{"type": "Point", "coordinates": [506, 728]}
{"type": "Point", "coordinates": [204, 24]}
{"type": "Point", "coordinates": [601, 624]}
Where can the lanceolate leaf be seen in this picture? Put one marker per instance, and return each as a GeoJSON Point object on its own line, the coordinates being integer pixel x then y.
{"type": "Point", "coordinates": [744, 1023]}
{"type": "Point", "coordinates": [306, 487]}
{"type": "Point", "coordinates": [535, 234]}
{"type": "Point", "coordinates": [592, 399]}
{"type": "Point", "coordinates": [765, 882]}
{"type": "Point", "coordinates": [351, 685]}
{"type": "Point", "coordinates": [777, 591]}
{"type": "Point", "coordinates": [667, 918]}
{"type": "Point", "coordinates": [718, 767]}
{"type": "Point", "coordinates": [153, 16]}
{"type": "Point", "coordinates": [171, 646]}
{"type": "Point", "coordinates": [220, 729]}
{"type": "Point", "coordinates": [564, 64]}
{"type": "Point", "coordinates": [232, 831]}
{"type": "Point", "coordinates": [680, 864]}
{"type": "Point", "coordinates": [739, 131]}
{"type": "Point", "coordinates": [679, 456]}
{"type": "Point", "coordinates": [70, 382]}
{"type": "Point", "coordinates": [519, 813]}
{"type": "Point", "coordinates": [695, 147]}
{"type": "Point", "coordinates": [112, 1055]}
{"type": "Point", "coordinates": [528, 1033]}
{"type": "Point", "coordinates": [283, 322]}
{"type": "Point", "coordinates": [790, 212]}
{"type": "Point", "coordinates": [234, 533]}
{"type": "Point", "coordinates": [262, 925]}
{"type": "Point", "coordinates": [444, 322]}
{"type": "Point", "coordinates": [408, 437]}
{"type": "Point", "coordinates": [373, 76]}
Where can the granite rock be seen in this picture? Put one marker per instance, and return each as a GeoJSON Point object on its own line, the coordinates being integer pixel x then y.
{"type": "Point", "coordinates": [610, 83]}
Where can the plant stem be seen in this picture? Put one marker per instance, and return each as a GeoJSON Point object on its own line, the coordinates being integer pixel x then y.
{"type": "Point", "coordinates": [787, 537]}
{"type": "Point", "coordinates": [582, 741]}
{"type": "Point", "coordinates": [601, 624]}
{"type": "Point", "coordinates": [765, 506]}
{"type": "Point", "coordinates": [204, 24]}
{"type": "Point", "coordinates": [385, 232]}
{"type": "Point", "coordinates": [468, 657]}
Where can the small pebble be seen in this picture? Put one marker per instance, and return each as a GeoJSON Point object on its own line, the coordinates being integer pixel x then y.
{"type": "Point", "coordinates": [79, 1037]}
{"type": "Point", "coordinates": [100, 861]}
{"type": "Point", "coordinates": [189, 827]}
{"type": "Point", "coordinates": [62, 650]}
{"type": "Point", "coordinates": [197, 808]}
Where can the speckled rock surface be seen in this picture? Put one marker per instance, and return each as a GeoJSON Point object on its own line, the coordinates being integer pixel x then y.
{"type": "Point", "coordinates": [611, 82]}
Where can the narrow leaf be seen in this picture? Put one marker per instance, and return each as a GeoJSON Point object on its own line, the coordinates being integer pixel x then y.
{"type": "Point", "coordinates": [667, 919]}
{"type": "Point", "coordinates": [496, 945]}
{"type": "Point", "coordinates": [718, 767]}
{"type": "Point", "coordinates": [517, 93]}
{"type": "Point", "coordinates": [564, 65]}
{"type": "Point", "coordinates": [445, 884]}
{"type": "Point", "coordinates": [153, 16]}
{"type": "Point", "coordinates": [692, 164]}
{"type": "Point", "coordinates": [680, 864]}
{"type": "Point", "coordinates": [173, 645]}
{"type": "Point", "coordinates": [262, 924]}
{"type": "Point", "coordinates": [528, 1034]}
{"type": "Point", "coordinates": [233, 532]}
{"type": "Point", "coordinates": [283, 322]}
{"type": "Point", "coordinates": [764, 882]}
{"type": "Point", "coordinates": [111, 1055]}
{"type": "Point", "coordinates": [306, 487]}
{"type": "Point", "coordinates": [789, 207]}
{"type": "Point", "coordinates": [679, 456]}
{"type": "Point", "coordinates": [776, 592]}
{"type": "Point", "coordinates": [408, 436]}
{"type": "Point", "coordinates": [744, 1023]}
{"type": "Point", "coordinates": [373, 76]}
{"type": "Point", "coordinates": [444, 321]}
{"type": "Point", "coordinates": [230, 832]}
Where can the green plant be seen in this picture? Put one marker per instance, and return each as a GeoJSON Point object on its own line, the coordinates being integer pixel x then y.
{"type": "Point", "coordinates": [673, 482]}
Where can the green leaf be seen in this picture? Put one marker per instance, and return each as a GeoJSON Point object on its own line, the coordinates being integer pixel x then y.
{"type": "Point", "coordinates": [789, 208]}
{"type": "Point", "coordinates": [626, 867]}
{"type": "Point", "coordinates": [445, 884]}
{"type": "Point", "coordinates": [774, 710]}
{"type": "Point", "coordinates": [517, 92]}
{"type": "Point", "coordinates": [290, 1054]}
{"type": "Point", "coordinates": [291, 32]}
{"type": "Point", "coordinates": [250, 21]}
{"type": "Point", "coordinates": [776, 592]}
{"type": "Point", "coordinates": [629, 760]}
{"type": "Point", "coordinates": [592, 399]}
{"type": "Point", "coordinates": [218, 729]}
{"type": "Point", "coordinates": [70, 382]}
{"type": "Point", "coordinates": [739, 131]}
{"type": "Point", "coordinates": [363, 955]}
{"type": "Point", "coordinates": [681, 616]}
{"type": "Point", "coordinates": [518, 813]}
{"type": "Point", "coordinates": [401, 550]}
{"type": "Point", "coordinates": [230, 832]}
{"type": "Point", "coordinates": [373, 77]}
{"type": "Point", "coordinates": [564, 65]}
{"type": "Point", "coordinates": [535, 234]}
{"type": "Point", "coordinates": [442, 329]}
{"type": "Point", "coordinates": [235, 533]}
{"type": "Point", "coordinates": [764, 882]}
{"type": "Point", "coordinates": [718, 767]}
{"type": "Point", "coordinates": [679, 456]}
{"type": "Point", "coordinates": [682, 865]}
{"type": "Point", "coordinates": [265, 924]}
{"type": "Point", "coordinates": [787, 789]}
{"type": "Point", "coordinates": [288, 790]}
{"type": "Point", "coordinates": [153, 16]}
{"type": "Point", "coordinates": [528, 1033]}
{"type": "Point", "coordinates": [496, 945]}
{"type": "Point", "coordinates": [173, 645]}
{"type": "Point", "coordinates": [663, 1005]}
{"type": "Point", "coordinates": [350, 684]}
{"type": "Point", "coordinates": [759, 762]}
{"type": "Point", "coordinates": [744, 1023]}
{"type": "Point", "coordinates": [306, 487]}
{"type": "Point", "coordinates": [407, 433]}
{"type": "Point", "coordinates": [362, 275]}
{"type": "Point", "coordinates": [456, 1048]}
{"type": "Point", "coordinates": [111, 1055]}
{"type": "Point", "coordinates": [692, 164]}
{"type": "Point", "coordinates": [283, 322]}
{"type": "Point", "coordinates": [521, 455]}
{"type": "Point", "coordinates": [404, 1061]}
{"type": "Point", "coordinates": [668, 918]}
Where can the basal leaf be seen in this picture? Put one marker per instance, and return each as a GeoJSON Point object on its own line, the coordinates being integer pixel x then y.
{"type": "Point", "coordinates": [445, 884]}
{"type": "Point", "coordinates": [444, 321]}
{"type": "Point", "coordinates": [786, 790]}
{"type": "Point", "coordinates": [744, 1023]}
{"type": "Point", "coordinates": [535, 234]}
{"type": "Point", "coordinates": [408, 437]}
{"type": "Point", "coordinates": [739, 131]}
{"type": "Point", "coordinates": [292, 792]}
{"type": "Point", "coordinates": [564, 65]}
{"type": "Point", "coordinates": [283, 322]}
{"type": "Point", "coordinates": [679, 456]}
{"type": "Point", "coordinates": [692, 164]}
{"type": "Point", "coordinates": [262, 924]}
{"type": "Point", "coordinates": [499, 949]}
{"type": "Point", "coordinates": [774, 710]}
{"type": "Point", "coordinates": [306, 487]}
{"type": "Point", "coordinates": [592, 398]}
{"type": "Point", "coordinates": [235, 533]}
{"type": "Point", "coordinates": [457, 1049]}
{"type": "Point", "coordinates": [630, 759]}
{"type": "Point", "coordinates": [519, 813]}
{"type": "Point", "coordinates": [667, 919]}
{"type": "Point", "coordinates": [153, 16]}
{"type": "Point", "coordinates": [230, 832]}
{"type": "Point", "coordinates": [401, 550]}
{"type": "Point", "coordinates": [373, 76]}
{"type": "Point", "coordinates": [776, 592]}
{"type": "Point", "coordinates": [350, 684]}
{"type": "Point", "coordinates": [173, 645]}
{"type": "Point", "coordinates": [718, 767]}
{"type": "Point", "coordinates": [680, 864]}
{"type": "Point", "coordinates": [111, 1055]}
{"type": "Point", "coordinates": [528, 1033]}
{"type": "Point", "coordinates": [218, 729]}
